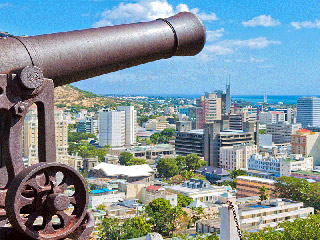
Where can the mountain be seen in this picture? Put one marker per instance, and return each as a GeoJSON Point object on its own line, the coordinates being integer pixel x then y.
{"type": "Point", "coordinates": [67, 96]}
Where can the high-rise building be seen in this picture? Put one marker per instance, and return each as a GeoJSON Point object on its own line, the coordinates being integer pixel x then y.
{"type": "Point", "coordinates": [130, 124]}
{"type": "Point", "coordinates": [89, 125]}
{"type": "Point", "coordinates": [308, 111]}
{"type": "Point", "coordinates": [209, 109]}
{"type": "Point", "coordinates": [271, 117]}
{"type": "Point", "coordinates": [218, 135]}
{"type": "Point", "coordinates": [228, 98]}
{"type": "Point", "coordinates": [281, 132]}
{"type": "Point", "coordinates": [189, 142]}
{"type": "Point", "coordinates": [112, 129]}
{"type": "Point", "coordinates": [29, 136]}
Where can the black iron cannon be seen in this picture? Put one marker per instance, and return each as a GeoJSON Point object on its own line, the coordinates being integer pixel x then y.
{"type": "Point", "coordinates": [30, 68]}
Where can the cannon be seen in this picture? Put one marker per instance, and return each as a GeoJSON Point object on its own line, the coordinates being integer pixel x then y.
{"type": "Point", "coordinates": [30, 69]}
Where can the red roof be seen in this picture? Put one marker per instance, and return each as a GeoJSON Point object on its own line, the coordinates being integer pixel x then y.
{"type": "Point", "coordinates": [154, 188]}
{"type": "Point", "coordinates": [276, 112]}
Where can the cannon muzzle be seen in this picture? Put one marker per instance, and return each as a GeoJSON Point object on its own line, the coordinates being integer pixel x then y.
{"type": "Point", "coordinates": [73, 56]}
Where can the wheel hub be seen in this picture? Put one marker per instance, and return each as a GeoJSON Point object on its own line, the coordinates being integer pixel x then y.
{"type": "Point", "coordinates": [58, 202]}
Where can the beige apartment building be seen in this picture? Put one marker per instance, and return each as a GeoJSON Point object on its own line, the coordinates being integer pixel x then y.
{"type": "Point", "coordinates": [237, 156]}
{"type": "Point", "coordinates": [29, 136]}
{"type": "Point", "coordinates": [158, 124]}
{"type": "Point", "coordinates": [307, 143]}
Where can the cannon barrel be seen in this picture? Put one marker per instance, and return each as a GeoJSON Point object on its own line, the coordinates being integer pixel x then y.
{"type": "Point", "coordinates": [73, 56]}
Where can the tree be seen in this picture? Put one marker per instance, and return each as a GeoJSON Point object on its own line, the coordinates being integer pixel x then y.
{"type": "Point", "coordinates": [136, 161]}
{"type": "Point", "coordinates": [109, 229]}
{"type": "Point", "coordinates": [162, 216]}
{"type": "Point", "coordinates": [101, 153]}
{"type": "Point", "coordinates": [77, 137]}
{"type": "Point", "coordinates": [187, 175]}
{"type": "Point", "coordinates": [238, 172]}
{"type": "Point", "coordinates": [264, 193]}
{"type": "Point", "coordinates": [262, 131]}
{"type": "Point", "coordinates": [136, 227]}
{"type": "Point", "coordinates": [298, 190]}
{"type": "Point", "coordinates": [184, 201]}
{"type": "Point", "coordinates": [167, 167]}
{"type": "Point", "coordinates": [154, 138]}
{"type": "Point", "coordinates": [193, 162]}
{"type": "Point", "coordinates": [300, 228]}
{"type": "Point", "coordinates": [196, 214]}
{"type": "Point", "coordinates": [101, 207]}
{"type": "Point", "coordinates": [170, 132]}
{"type": "Point", "coordinates": [125, 157]}
{"type": "Point", "coordinates": [181, 163]}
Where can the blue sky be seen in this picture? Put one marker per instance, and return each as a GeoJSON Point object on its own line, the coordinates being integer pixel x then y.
{"type": "Point", "coordinates": [266, 46]}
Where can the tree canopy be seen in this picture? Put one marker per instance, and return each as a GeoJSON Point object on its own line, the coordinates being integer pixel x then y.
{"type": "Point", "coordinates": [164, 136]}
{"type": "Point", "coordinates": [135, 227]}
{"type": "Point", "coordinates": [163, 216]}
{"type": "Point", "coordinates": [299, 190]}
{"type": "Point", "coordinates": [167, 167]}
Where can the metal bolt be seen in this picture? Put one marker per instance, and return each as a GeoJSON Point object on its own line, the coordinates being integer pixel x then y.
{"type": "Point", "coordinates": [21, 109]}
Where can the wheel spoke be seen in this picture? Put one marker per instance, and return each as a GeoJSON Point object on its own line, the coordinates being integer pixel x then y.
{"type": "Point", "coordinates": [29, 221]}
{"type": "Point", "coordinates": [25, 201]}
{"type": "Point", "coordinates": [64, 218]}
{"type": "Point", "coordinates": [61, 188]}
{"type": "Point", "coordinates": [34, 184]}
{"type": "Point", "coordinates": [47, 224]}
{"type": "Point", "coordinates": [73, 200]}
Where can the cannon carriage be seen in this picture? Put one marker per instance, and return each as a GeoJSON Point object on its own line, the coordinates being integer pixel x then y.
{"type": "Point", "coordinates": [30, 69]}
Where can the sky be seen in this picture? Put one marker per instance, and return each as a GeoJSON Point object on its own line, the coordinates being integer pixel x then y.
{"type": "Point", "coordinates": [267, 47]}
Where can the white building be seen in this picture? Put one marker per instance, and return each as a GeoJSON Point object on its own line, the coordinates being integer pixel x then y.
{"type": "Point", "coordinates": [104, 197]}
{"type": "Point", "coordinates": [271, 117]}
{"type": "Point", "coordinates": [308, 111]}
{"type": "Point", "coordinates": [269, 164]}
{"type": "Point", "coordinates": [280, 165]}
{"type": "Point", "coordinates": [153, 192]}
{"type": "Point", "coordinates": [256, 216]}
{"type": "Point", "coordinates": [296, 162]}
{"type": "Point", "coordinates": [199, 190]}
{"type": "Point", "coordinates": [111, 128]}
{"type": "Point", "coordinates": [237, 156]}
{"type": "Point", "coordinates": [130, 124]}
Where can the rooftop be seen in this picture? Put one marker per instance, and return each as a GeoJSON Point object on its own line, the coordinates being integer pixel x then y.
{"type": "Point", "coordinates": [113, 170]}
{"type": "Point", "coordinates": [256, 179]}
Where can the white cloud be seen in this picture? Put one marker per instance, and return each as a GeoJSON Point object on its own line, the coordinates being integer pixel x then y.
{"type": "Point", "coordinates": [252, 59]}
{"type": "Point", "coordinates": [227, 47]}
{"type": "Point", "coordinates": [262, 20]}
{"type": "Point", "coordinates": [219, 50]}
{"type": "Point", "coordinates": [306, 24]}
{"type": "Point", "coordinates": [146, 10]}
{"type": "Point", "coordinates": [253, 43]}
{"type": "Point", "coordinates": [214, 35]}
{"type": "Point", "coordinates": [204, 16]}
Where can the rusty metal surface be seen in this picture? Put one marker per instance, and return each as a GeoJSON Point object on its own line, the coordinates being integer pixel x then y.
{"type": "Point", "coordinates": [36, 194]}
{"type": "Point", "coordinates": [73, 56]}
{"type": "Point", "coordinates": [32, 199]}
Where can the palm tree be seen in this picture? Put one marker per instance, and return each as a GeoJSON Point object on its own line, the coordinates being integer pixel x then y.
{"type": "Point", "coordinates": [264, 193]}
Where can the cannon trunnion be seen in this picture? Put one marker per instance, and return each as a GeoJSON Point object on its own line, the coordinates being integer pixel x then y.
{"type": "Point", "coordinates": [32, 198]}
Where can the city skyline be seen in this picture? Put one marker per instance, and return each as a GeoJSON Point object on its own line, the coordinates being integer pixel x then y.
{"type": "Point", "coordinates": [267, 48]}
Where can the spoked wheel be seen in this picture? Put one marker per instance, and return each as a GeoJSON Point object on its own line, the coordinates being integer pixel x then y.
{"type": "Point", "coordinates": [47, 201]}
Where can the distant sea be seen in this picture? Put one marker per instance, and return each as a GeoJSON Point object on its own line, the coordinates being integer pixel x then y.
{"type": "Point", "coordinates": [286, 99]}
